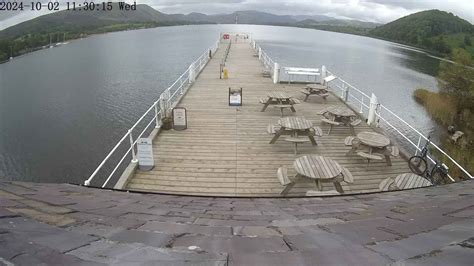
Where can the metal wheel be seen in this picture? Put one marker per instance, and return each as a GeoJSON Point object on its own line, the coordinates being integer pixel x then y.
{"type": "Point", "coordinates": [418, 165]}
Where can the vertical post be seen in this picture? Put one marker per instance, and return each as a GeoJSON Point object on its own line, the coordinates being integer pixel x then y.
{"type": "Point", "coordinates": [260, 53]}
{"type": "Point", "coordinates": [361, 111]}
{"type": "Point", "coordinates": [372, 109]}
{"type": "Point", "coordinates": [192, 74]}
{"type": "Point", "coordinates": [134, 156]}
{"type": "Point", "coordinates": [157, 120]}
{"type": "Point", "coordinates": [276, 73]}
{"type": "Point", "coordinates": [378, 114]}
{"type": "Point", "coordinates": [323, 74]}
{"type": "Point", "coordinates": [346, 92]}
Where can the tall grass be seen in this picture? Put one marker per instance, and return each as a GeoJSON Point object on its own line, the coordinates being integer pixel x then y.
{"type": "Point", "coordinates": [442, 107]}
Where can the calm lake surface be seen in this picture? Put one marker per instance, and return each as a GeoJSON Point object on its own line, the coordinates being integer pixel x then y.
{"type": "Point", "coordinates": [63, 109]}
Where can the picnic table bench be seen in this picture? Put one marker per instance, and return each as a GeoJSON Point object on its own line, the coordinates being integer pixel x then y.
{"type": "Point", "coordinates": [340, 116]}
{"type": "Point", "coordinates": [279, 100]}
{"type": "Point", "coordinates": [315, 90]}
{"type": "Point", "coordinates": [295, 125]}
{"type": "Point", "coordinates": [372, 146]}
{"type": "Point", "coordinates": [318, 168]}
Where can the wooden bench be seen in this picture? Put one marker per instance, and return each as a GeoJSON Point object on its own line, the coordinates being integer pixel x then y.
{"type": "Point", "coordinates": [316, 131]}
{"type": "Point", "coordinates": [388, 184]}
{"type": "Point", "coordinates": [283, 106]}
{"type": "Point", "coordinates": [297, 140]}
{"type": "Point", "coordinates": [348, 140]}
{"type": "Point", "coordinates": [316, 193]}
{"type": "Point", "coordinates": [282, 175]}
{"type": "Point", "coordinates": [331, 124]}
{"type": "Point", "coordinates": [294, 101]}
{"type": "Point", "coordinates": [347, 176]}
{"type": "Point", "coordinates": [369, 156]}
{"type": "Point", "coordinates": [273, 129]}
{"type": "Point", "coordinates": [394, 151]}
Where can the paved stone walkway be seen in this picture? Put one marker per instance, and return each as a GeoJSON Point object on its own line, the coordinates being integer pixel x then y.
{"type": "Point", "coordinates": [68, 225]}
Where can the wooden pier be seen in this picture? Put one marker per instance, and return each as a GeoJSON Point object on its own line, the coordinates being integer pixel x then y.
{"type": "Point", "coordinates": [226, 152]}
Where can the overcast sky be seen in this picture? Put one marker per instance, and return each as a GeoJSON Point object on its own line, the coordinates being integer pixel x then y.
{"type": "Point", "coordinates": [381, 11]}
{"type": "Point", "coordinates": [370, 10]}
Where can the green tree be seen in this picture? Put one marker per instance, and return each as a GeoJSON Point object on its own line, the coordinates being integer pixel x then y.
{"type": "Point", "coordinates": [457, 79]}
{"type": "Point", "coordinates": [467, 40]}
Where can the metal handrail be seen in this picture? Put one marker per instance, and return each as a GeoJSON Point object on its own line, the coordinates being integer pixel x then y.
{"type": "Point", "coordinates": [160, 108]}
{"type": "Point", "coordinates": [349, 94]}
{"type": "Point", "coordinates": [224, 58]}
{"type": "Point", "coordinates": [267, 61]}
{"type": "Point", "coordinates": [397, 118]}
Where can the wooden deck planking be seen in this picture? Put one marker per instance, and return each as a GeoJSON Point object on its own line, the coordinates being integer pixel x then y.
{"type": "Point", "coordinates": [226, 152]}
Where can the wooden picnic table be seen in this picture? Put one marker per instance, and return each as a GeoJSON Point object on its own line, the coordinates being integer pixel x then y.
{"type": "Point", "coordinates": [373, 139]}
{"type": "Point", "coordinates": [315, 89]}
{"type": "Point", "coordinates": [376, 143]}
{"type": "Point", "coordinates": [340, 113]}
{"type": "Point", "coordinates": [320, 169]}
{"type": "Point", "coordinates": [297, 125]}
{"type": "Point", "coordinates": [404, 181]}
{"type": "Point", "coordinates": [278, 98]}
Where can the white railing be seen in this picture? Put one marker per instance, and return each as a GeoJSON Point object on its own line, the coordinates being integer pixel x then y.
{"type": "Point", "coordinates": [168, 99]}
{"type": "Point", "coordinates": [360, 101]}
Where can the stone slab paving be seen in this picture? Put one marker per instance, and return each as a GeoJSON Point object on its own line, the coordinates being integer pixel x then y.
{"type": "Point", "coordinates": [61, 224]}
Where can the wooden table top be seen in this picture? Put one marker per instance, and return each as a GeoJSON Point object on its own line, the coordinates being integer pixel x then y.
{"type": "Point", "coordinates": [299, 123]}
{"type": "Point", "coordinates": [317, 167]}
{"type": "Point", "coordinates": [278, 95]}
{"type": "Point", "coordinates": [340, 111]}
{"type": "Point", "coordinates": [315, 87]}
{"type": "Point", "coordinates": [406, 181]}
{"type": "Point", "coordinates": [373, 139]}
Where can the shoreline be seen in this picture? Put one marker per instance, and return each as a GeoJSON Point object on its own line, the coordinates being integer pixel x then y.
{"type": "Point", "coordinates": [432, 54]}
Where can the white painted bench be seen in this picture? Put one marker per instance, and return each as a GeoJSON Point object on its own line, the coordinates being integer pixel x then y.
{"type": "Point", "coordinates": [298, 71]}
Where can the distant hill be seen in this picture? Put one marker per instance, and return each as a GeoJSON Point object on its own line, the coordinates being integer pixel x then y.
{"type": "Point", "coordinates": [313, 17]}
{"type": "Point", "coordinates": [70, 21]}
{"type": "Point", "coordinates": [432, 29]}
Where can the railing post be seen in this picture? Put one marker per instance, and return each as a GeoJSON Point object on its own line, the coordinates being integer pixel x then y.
{"type": "Point", "coordinates": [346, 92]}
{"type": "Point", "coordinates": [192, 74]}
{"type": "Point", "coordinates": [134, 156]}
{"type": "Point", "coordinates": [372, 109]}
{"type": "Point", "coordinates": [323, 73]}
{"type": "Point", "coordinates": [276, 73]}
{"type": "Point", "coordinates": [260, 53]}
{"type": "Point", "coordinates": [157, 119]}
{"type": "Point", "coordinates": [378, 114]}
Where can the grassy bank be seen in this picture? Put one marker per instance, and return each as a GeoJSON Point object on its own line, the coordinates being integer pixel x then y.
{"type": "Point", "coordinates": [443, 109]}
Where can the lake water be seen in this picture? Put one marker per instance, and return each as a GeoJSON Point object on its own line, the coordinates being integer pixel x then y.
{"type": "Point", "coordinates": [63, 109]}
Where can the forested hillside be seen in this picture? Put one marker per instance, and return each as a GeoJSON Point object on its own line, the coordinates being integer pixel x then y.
{"type": "Point", "coordinates": [432, 29]}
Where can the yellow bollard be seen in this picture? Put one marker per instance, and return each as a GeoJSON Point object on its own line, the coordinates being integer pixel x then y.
{"type": "Point", "coordinates": [226, 73]}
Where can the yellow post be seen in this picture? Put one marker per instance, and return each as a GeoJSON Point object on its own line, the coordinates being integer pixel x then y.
{"type": "Point", "coordinates": [226, 73]}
